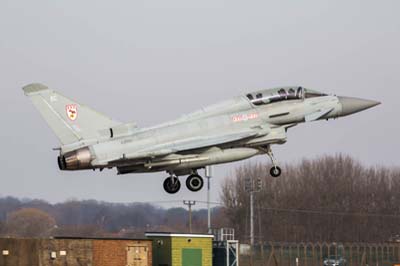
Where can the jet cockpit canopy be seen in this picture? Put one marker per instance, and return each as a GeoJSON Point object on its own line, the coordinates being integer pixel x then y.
{"type": "Point", "coordinates": [281, 94]}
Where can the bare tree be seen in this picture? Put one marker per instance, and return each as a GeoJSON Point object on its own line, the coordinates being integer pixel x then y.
{"type": "Point", "coordinates": [29, 222]}
{"type": "Point", "coordinates": [331, 198]}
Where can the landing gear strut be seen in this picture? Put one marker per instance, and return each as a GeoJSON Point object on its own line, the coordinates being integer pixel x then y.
{"type": "Point", "coordinates": [194, 182]}
{"type": "Point", "coordinates": [275, 171]}
{"type": "Point", "coordinates": [172, 184]}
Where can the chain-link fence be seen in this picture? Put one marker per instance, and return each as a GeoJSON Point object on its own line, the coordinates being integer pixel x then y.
{"type": "Point", "coordinates": [323, 254]}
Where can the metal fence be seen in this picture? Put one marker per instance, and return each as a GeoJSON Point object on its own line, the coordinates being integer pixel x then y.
{"type": "Point", "coordinates": [323, 254]}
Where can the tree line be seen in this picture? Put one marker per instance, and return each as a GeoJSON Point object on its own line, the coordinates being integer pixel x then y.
{"type": "Point", "coordinates": [90, 218]}
{"type": "Point", "coordinates": [331, 198]}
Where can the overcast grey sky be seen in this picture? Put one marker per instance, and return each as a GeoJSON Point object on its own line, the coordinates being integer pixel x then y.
{"type": "Point", "coordinates": [151, 61]}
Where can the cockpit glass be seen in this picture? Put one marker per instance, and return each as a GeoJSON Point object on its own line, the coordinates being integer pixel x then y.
{"type": "Point", "coordinates": [282, 94]}
{"type": "Point", "coordinates": [291, 93]}
{"type": "Point", "coordinates": [311, 93]}
{"type": "Point", "coordinates": [276, 95]}
{"type": "Point", "coordinates": [250, 96]}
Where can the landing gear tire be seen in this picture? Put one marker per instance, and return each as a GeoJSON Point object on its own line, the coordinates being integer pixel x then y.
{"type": "Point", "coordinates": [172, 185]}
{"type": "Point", "coordinates": [194, 183]}
{"type": "Point", "coordinates": [275, 171]}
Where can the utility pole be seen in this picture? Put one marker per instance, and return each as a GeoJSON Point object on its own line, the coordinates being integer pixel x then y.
{"type": "Point", "coordinates": [190, 204]}
{"type": "Point", "coordinates": [208, 176]}
{"type": "Point", "coordinates": [252, 219]}
{"type": "Point", "coordinates": [252, 187]}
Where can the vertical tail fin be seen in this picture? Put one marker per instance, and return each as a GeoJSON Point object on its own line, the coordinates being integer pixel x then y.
{"type": "Point", "coordinates": [70, 121]}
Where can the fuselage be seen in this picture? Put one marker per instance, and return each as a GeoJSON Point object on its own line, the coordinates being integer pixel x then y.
{"type": "Point", "coordinates": [270, 112]}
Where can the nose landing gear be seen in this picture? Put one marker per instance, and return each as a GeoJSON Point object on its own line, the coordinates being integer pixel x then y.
{"type": "Point", "coordinates": [275, 171]}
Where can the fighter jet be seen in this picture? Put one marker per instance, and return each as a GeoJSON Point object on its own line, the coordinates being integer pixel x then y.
{"type": "Point", "coordinates": [232, 130]}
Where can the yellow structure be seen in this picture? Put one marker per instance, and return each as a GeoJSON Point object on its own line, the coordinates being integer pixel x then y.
{"type": "Point", "coordinates": [181, 249]}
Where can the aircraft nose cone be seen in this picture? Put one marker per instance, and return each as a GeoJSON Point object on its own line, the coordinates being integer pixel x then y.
{"type": "Point", "coordinates": [352, 105]}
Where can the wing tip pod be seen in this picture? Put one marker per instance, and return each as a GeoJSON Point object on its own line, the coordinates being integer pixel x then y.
{"type": "Point", "coordinates": [34, 88]}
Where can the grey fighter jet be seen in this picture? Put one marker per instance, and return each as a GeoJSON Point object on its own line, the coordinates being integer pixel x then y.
{"type": "Point", "coordinates": [232, 130]}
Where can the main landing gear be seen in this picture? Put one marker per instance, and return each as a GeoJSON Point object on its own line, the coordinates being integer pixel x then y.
{"type": "Point", "coordinates": [172, 184]}
{"type": "Point", "coordinates": [194, 183]}
{"type": "Point", "coordinates": [275, 171]}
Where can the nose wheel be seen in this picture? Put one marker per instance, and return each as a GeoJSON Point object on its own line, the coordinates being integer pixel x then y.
{"type": "Point", "coordinates": [172, 184]}
{"type": "Point", "coordinates": [275, 171]}
{"type": "Point", "coordinates": [194, 183]}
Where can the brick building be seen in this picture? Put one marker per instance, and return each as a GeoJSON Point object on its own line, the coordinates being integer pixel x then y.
{"type": "Point", "coordinates": [75, 251]}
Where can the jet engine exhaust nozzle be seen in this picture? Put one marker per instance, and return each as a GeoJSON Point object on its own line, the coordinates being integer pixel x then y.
{"type": "Point", "coordinates": [75, 160]}
{"type": "Point", "coordinates": [352, 105]}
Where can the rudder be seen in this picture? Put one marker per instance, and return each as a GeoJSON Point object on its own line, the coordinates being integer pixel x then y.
{"type": "Point", "coordinates": [70, 121]}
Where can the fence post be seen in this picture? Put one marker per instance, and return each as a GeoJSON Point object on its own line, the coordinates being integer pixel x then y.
{"type": "Point", "coordinates": [329, 250]}
{"type": "Point", "coordinates": [262, 252]}
{"type": "Point", "coordinates": [320, 254]}
{"type": "Point", "coordinates": [297, 255]}
{"type": "Point", "coordinates": [270, 257]}
{"type": "Point", "coordinates": [313, 254]}
{"type": "Point", "coordinates": [275, 260]}
{"type": "Point", "coordinates": [398, 253]}
{"type": "Point", "coordinates": [363, 259]}
{"type": "Point", "coordinates": [377, 254]}
{"type": "Point", "coordinates": [351, 254]}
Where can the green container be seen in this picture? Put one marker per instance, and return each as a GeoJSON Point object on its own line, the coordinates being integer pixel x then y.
{"type": "Point", "coordinates": [181, 249]}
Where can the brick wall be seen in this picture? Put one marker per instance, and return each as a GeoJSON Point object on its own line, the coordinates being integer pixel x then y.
{"type": "Point", "coordinates": [22, 252]}
{"type": "Point", "coordinates": [68, 252]}
{"type": "Point", "coordinates": [113, 252]}
{"type": "Point", "coordinates": [77, 252]}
